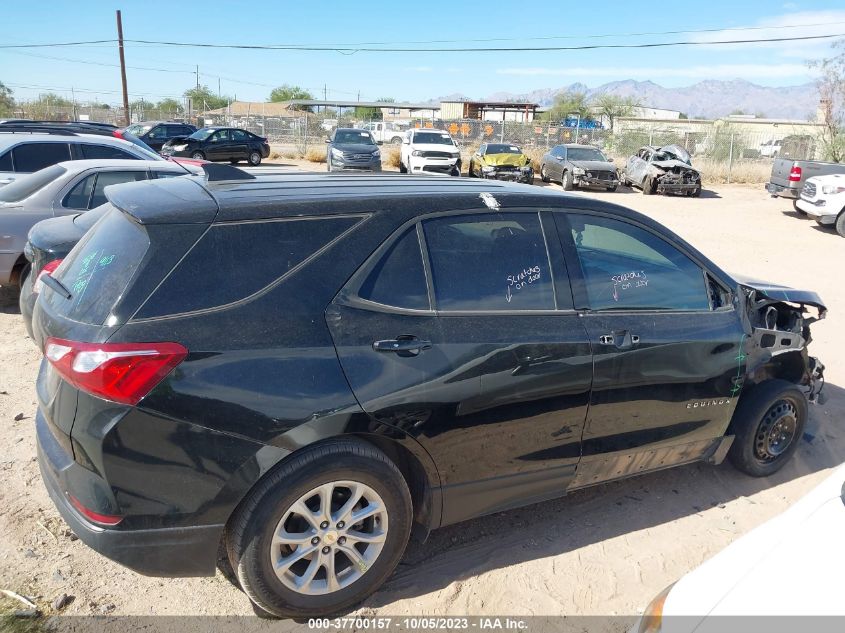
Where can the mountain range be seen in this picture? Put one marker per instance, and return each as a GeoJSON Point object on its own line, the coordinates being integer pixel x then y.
{"type": "Point", "coordinates": [710, 98]}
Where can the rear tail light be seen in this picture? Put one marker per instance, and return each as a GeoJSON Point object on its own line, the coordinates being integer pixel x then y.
{"type": "Point", "coordinates": [120, 372]}
{"type": "Point", "coordinates": [48, 269]}
{"type": "Point", "coordinates": [118, 133]}
{"type": "Point", "coordinates": [795, 174]}
{"type": "Point", "coordinates": [96, 517]}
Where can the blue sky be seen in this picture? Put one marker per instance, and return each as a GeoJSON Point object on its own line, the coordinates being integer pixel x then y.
{"type": "Point", "coordinates": [159, 71]}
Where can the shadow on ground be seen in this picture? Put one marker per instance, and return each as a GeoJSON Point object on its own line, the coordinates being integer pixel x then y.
{"type": "Point", "coordinates": [593, 515]}
{"type": "Point", "coordinates": [9, 300]}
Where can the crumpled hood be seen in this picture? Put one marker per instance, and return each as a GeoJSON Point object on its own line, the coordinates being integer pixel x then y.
{"type": "Point", "coordinates": [594, 165]}
{"type": "Point", "coordinates": [679, 152]}
{"type": "Point", "coordinates": [778, 292]}
{"type": "Point", "coordinates": [506, 160]}
{"type": "Point", "coordinates": [669, 164]}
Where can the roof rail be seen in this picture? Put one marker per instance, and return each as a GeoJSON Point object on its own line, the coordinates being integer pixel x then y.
{"type": "Point", "coordinates": [215, 173]}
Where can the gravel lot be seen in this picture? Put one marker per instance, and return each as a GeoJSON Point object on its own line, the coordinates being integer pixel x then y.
{"type": "Point", "coordinates": [607, 550]}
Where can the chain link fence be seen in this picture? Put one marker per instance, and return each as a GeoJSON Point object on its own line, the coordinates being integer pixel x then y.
{"type": "Point", "coordinates": [724, 151]}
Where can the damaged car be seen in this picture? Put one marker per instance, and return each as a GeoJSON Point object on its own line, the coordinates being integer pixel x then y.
{"type": "Point", "coordinates": [579, 166]}
{"type": "Point", "coordinates": [292, 372]}
{"type": "Point", "coordinates": [501, 161]}
{"type": "Point", "coordinates": [662, 170]}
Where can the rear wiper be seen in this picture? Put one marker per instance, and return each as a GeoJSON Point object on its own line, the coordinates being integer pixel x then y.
{"type": "Point", "coordinates": [56, 285]}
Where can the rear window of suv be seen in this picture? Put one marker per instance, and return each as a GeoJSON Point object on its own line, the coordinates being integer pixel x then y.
{"type": "Point", "coordinates": [99, 268]}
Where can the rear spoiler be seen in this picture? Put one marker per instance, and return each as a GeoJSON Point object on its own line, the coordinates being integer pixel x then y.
{"type": "Point", "coordinates": [215, 172]}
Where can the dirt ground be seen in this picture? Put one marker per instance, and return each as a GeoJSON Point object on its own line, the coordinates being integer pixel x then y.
{"type": "Point", "coordinates": [606, 550]}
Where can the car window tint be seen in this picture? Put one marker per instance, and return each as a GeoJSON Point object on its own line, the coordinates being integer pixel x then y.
{"type": "Point", "coordinates": [106, 178]}
{"type": "Point", "coordinates": [6, 161]}
{"type": "Point", "coordinates": [489, 262]}
{"type": "Point", "coordinates": [234, 261]}
{"type": "Point", "coordinates": [105, 151]}
{"type": "Point", "coordinates": [167, 174]}
{"type": "Point", "coordinates": [220, 136]}
{"type": "Point", "coordinates": [240, 135]}
{"type": "Point", "coordinates": [80, 195]}
{"type": "Point", "coordinates": [398, 279]}
{"type": "Point", "coordinates": [627, 267]}
{"type": "Point", "coordinates": [158, 132]}
{"type": "Point", "coordinates": [34, 156]}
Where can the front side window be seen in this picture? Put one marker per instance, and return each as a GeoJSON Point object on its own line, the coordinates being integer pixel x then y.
{"type": "Point", "coordinates": [489, 261]}
{"type": "Point", "coordinates": [105, 151]}
{"type": "Point", "coordinates": [627, 267]}
{"type": "Point", "coordinates": [34, 156]}
{"type": "Point", "coordinates": [398, 279]}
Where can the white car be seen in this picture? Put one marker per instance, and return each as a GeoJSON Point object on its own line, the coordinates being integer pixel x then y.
{"type": "Point", "coordinates": [823, 199]}
{"type": "Point", "coordinates": [771, 148]}
{"type": "Point", "coordinates": [428, 150]}
{"type": "Point", "coordinates": [789, 566]}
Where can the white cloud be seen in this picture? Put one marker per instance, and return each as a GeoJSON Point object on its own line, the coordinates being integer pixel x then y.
{"type": "Point", "coordinates": [716, 71]}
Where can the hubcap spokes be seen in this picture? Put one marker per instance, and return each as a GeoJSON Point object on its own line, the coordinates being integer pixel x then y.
{"type": "Point", "coordinates": [329, 537]}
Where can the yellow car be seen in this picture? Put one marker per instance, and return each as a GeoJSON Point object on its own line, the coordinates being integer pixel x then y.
{"type": "Point", "coordinates": [501, 161]}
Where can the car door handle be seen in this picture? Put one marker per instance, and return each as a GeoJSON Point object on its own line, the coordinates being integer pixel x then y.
{"type": "Point", "coordinates": [622, 339]}
{"type": "Point", "coordinates": [404, 345]}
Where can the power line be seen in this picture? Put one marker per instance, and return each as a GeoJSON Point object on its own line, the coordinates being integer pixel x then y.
{"type": "Point", "coordinates": [491, 49]}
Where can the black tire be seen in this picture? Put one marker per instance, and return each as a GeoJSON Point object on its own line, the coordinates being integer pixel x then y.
{"type": "Point", "coordinates": [198, 156]}
{"type": "Point", "coordinates": [611, 189]}
{"type": "Point", "coordinates": [24, 276]}
{"type": "Point", "coordinates": [402, 168]}
{"type": "Point", "coordinates": [648, 187]}
{"type": "Point", "coordinates": [757, 413]}
{"type": "Point", "coordinates": [234, 161]}
{"type": "Point", "coordinates": [456, 170]}
{"type": "Point", "coordinates": [840, 223]}
{"type": "Point", "coordinates": [623, 181]}
{"type": "Point", "coordinates": [543, 175]}
{"type": "Point", "coordinates": [396, 140]}
{"type": "Point", "coordinates": [470, 173]}
{"type": "Point", "coordinates": [566, 181]}
{"type": "Point", "coordinates": [254, 158]}
{"type": "Point", "coordinates": [255, 521]}
{"type": "Point", "coordinates": [695, 193]}
{"type": "Point", "coordinates": [797, 210]}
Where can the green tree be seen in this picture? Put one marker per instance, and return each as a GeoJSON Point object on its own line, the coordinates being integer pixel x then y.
{"type": "Point", "coordinates": [566, 104]}
{"type": "Point", "coordinates": [170, 105]}
{"type": "Point", "coordinates": [286, 92]}
{"type": "Point", "coordinates": [831, 113]}
{"type": "Point", "coordinates": [7, 101]}
{"type": "Point", "coordinates": [613, 106]}
{"type": "Point", "coordinates": [203, 99]}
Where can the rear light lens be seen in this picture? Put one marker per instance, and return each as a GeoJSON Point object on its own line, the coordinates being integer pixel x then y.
{"type": "Point", "coordinates": [120, 372]}
{"type": "Point", "coordinates": [96, 517]}
{"type": "Point", "coordinates": [48, 269]}
{"type": "Point", "coordinates": [795, 174]}
{"type": "Point", "coordinates": [118, 133]}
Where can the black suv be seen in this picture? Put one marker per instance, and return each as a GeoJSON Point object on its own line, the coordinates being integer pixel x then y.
{"type": "Point", "coordinates": [302, 368]}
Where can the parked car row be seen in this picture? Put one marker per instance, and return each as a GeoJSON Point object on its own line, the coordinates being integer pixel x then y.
{"type": "Point", "coordinates": [816, 188]}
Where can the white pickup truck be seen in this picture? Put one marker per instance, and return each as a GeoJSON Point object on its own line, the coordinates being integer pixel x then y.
{"type": "Point", "coordinates": [385, 132]}
{"type": "Point", "coordinates": [823, 199]}
{"type": "Point", "coordinates": [429, 151]}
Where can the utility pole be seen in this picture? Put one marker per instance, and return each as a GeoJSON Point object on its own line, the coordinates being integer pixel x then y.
{"type": "Point", "coordinates": [218, 87]}
{"type": "Point", "coordinates": [325, 91]}
{"type": "Point", "coordinates": [122, 67]}
{"type": "Point", "coordinates": [198, 76]}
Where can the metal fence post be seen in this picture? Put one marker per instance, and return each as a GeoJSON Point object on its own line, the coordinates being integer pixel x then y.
{"type": "Point", "coordinates": [651, 136]}
{"type": "Point", "coordinates": [730, 157]}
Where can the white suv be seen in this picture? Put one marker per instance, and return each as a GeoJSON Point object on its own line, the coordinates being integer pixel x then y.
{"type": "Point", "coordinates": [823, 199]}
{"type": "Point", "coordinates": [27, 152]}
{"type": "Point", "coordinates": [429, 151]}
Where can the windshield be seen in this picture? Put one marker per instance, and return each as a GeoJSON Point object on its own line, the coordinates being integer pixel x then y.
{"type": "Point", "coordinates": [585, 153]}
{"type": "Point", "coordinates": [358, 137]}
{"type": "Point", "coordinates": [433, 138]}
{"type": "Point", "coordinates": [498, 148]}
{"type": "Point", "coordinates": [27, 185]}
{"type": "Point", "coordinates": [202, 133]}
{"type": "Point", "coordinates": [138, 130]}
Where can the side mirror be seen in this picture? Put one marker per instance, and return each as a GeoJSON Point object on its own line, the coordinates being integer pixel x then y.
{"type": "Point", "coordinates": [610, 159]}
{"type": "Point", "coordinates": [328, 140]}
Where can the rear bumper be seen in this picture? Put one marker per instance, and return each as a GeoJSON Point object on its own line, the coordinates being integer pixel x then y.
{"type": "Point", "coordinates": [781, 191]}
{"type": "Point", "coordinates": [182, 551]}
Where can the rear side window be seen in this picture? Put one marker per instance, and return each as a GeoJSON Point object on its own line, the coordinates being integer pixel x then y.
{"type": "Point", "coordinates": [240, 135]}
{"type": "Point", "coordinates": [489, 262]}
{"type": "Point", "coordinates": [99, 268]}
{"type": "Point", "coordinates": [105, 151]}
{"type": "Point", "coordinates": [106, 178]}
{"type": "Point", "coordinates": [34, 156]}
{"type": "Point", "coordinates": [6, 161]}
{"type": "Point", "coordinates": [80, 195]}
{"type": "Point", "coordinates": [627, 267]}
{"type": "Point", "coordinates": [233, 261]}
{"type": "Point", "coordinates": [398, 279]}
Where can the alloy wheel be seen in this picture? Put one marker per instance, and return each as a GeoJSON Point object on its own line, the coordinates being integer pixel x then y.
{"type": "Point", "coordinates": [329, 537]}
